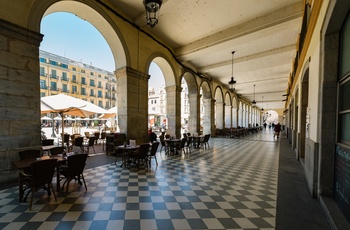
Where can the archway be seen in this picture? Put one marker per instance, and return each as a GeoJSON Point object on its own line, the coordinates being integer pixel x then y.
{"type": "Point", "coordinates": [193, 103]}
{"type": "Point", "coordinates": [228, 111]}
{"type": "Point", "coordinates": [207, 108]}
{"type": "Point", "coordinates": [219, 109]}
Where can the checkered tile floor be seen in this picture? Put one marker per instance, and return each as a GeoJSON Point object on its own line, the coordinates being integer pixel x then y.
{"type": "Point", "coordinates": [231, 185]}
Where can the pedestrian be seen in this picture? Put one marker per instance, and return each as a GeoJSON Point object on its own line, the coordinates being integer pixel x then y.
{"type": "Point", "coordinates": [277, 129]}
{"type": "Point", "coordinates": [57, 126]}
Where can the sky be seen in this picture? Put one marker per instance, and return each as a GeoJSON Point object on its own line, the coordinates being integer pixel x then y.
{"type": "Point", "coordinates": [69, 36]}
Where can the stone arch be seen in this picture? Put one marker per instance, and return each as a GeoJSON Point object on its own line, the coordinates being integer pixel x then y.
{"type": "Point", "coordinates": [240, 113]}
{"type": "Point", "coordinates": [173, 93]}
{"type": "Point", "coordinates": [165, 65]}
{"type": "Point", "coordinates": [219, 108]}
{"type": "Point", "coordinates": [90, 11]}
{"type": "Point", "coordinates": [228, 111]}
{"type": "Point", "coordinates": [234, 111]}
{"type": "Point", "coordinates": [208, 107]}
{"type": "Point", "coordinates": [194, 103]}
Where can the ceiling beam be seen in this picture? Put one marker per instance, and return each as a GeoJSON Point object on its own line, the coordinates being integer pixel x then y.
{"type": "Point", "coordinates": [244, 32]}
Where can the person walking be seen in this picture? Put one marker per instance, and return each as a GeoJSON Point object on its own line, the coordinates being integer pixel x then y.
{"type": "Point", "coordinates": [277, 129]}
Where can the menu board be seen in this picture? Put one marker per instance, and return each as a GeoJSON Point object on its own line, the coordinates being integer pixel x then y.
{"type": "Point", "coordinates": [342, 180]}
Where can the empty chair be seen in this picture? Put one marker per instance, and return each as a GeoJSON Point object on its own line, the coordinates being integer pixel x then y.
{"type": "Point", "coordinates": [90, 144]}
{"type": "Point", "coordinates": [142, 154]}
{"type": "Point", "coordinates": [41, 174]}
{"type": "Point", "coordinates": [29, 154]}
{"type": "Point", "coordinates": [103, 140]}
{"type": "Point", "coordinates": [74, 169]}
{"type": "Point", "coordinates": [78, 144]}
{"type": "Point", "coordinates": [153, 152]}
{"type": "Point", "coordinates": [57, 150]}
{"type": "Point", "coordinates": [163, 143]}
{"type": "Point", "coordinates": [204, 141]}
{"type": "Point", "coordinates": [47, 142]}
{"type": "Point", "coordinates": [97, 136]}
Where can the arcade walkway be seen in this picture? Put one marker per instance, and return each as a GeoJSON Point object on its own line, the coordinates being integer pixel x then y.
{"type": "Point", "coordinates": [231, 185]}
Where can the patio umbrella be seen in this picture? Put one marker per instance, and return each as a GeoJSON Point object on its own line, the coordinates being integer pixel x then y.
{"type": "Point", "coordinates": [46, 118]}
{"type": "Point", "coordinates": [67, 105]}
{"type": "Point", "coordinates": [110, 113]}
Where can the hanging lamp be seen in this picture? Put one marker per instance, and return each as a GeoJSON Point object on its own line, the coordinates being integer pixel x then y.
{"type": "Point", "coordinates": [152, 11]}
{"type": "Point", "coordinates": [254, 102]}
{"type": "Point", "coordinates": [232, 82]}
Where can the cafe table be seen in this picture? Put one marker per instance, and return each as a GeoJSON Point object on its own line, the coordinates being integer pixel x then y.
{"type": "Point", "coordinates": [25, 164]}
{"type": "Point", "coordinates": [47, 148]}
{"type": "Point", "coordinates": [127, 149]}
{"type": "Point", "coordinates": [172, 143]}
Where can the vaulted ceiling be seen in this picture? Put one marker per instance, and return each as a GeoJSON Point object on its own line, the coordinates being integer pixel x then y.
{"type": "Point", "coordinates": [203, 33]}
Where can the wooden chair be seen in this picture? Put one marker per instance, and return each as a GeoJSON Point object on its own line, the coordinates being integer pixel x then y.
{"type": "Point", "coordinates": [153, 152]}
{"type": "Point", "coordinates": [103, 140]}
{"type": "Point", "coordinates": [40, 176]}
{"type": "Point", "coordinates": [74, 169]}
{"type": "Point", "coordinates": [90, 144]}
{"type": "Point", "coordinates": [97, 137]}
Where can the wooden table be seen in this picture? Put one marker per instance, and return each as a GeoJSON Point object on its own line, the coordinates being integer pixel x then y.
{"type": "Point", "coordinates": [126, 150]}
{"type": "Point", "coordinates": [25, 164]}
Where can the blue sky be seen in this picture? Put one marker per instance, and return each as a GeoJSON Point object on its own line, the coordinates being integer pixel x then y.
{"type": "Point", "coordinates": [69, 36]}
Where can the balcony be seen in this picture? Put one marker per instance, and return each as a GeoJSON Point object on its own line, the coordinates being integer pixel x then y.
{"type": "Point", "coordinates": [64, 79]}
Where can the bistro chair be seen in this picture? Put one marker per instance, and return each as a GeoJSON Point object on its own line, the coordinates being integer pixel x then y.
{"type": "Point", "coordinates": [29, 154]}
{"type": "Point", "coordinates": [57, 150]}
{"type": "Point", "coordinates": [141, 155]}
{"type": "Point", "coordinates": [90, 144]}
{"type": "Point", "coordinates": [103, 140]}
{"type": "Point", "coordinates": [153, 152]}
{"type": "Point", "coordinates": [78, 144]}
{"type": "Point", "coordinates": [163, 144]}
{"type": "Point", "coordinates": [40, 176]}
{"type": "Point", "coordinates": [74, 169]}
{"type": "Point", "coordinates": [204, 141]}
{"type": "Point", "coordinates": [47, 142]}
{"type": "Point", "coordinates": [97, 136]}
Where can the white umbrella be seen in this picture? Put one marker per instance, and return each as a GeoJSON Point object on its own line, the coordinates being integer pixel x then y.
{"type": "Point", "coordinates": [69, 119]}
{"type": "Point", "coordinates": [67, 105]}
{"type": "Point", "coordinates": [110, 113]}
{"type": "Point", "coordinates": [46, 118]}
{"type": "Point", "coordinates": [58, 118]}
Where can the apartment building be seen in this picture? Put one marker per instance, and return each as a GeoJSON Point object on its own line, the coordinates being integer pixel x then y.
{"type": "Point", "coordinates": [63, 75]}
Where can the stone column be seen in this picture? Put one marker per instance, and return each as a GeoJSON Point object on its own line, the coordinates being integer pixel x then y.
{"type": "Point", "coordinates": [234, 117]}
{"type": "Point", "coordinates": [228, 116]}
{"type": "Point", "coordinates": [173, 94]}
{"type": "Point", "coordinates": [194, 118]}
{"type": "Point", "coordinates": [219, 115]}
{"type": "Point", "coordinates": [132, 100]}
{"type": "Point", "coordinates": [19, 94]}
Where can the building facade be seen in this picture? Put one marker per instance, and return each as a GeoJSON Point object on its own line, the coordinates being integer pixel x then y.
{"type": "Point", "coordinates": [62, 75]}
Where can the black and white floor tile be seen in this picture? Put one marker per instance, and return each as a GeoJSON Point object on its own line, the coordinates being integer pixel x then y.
{"type": "Point", "coordinates": [231, 185]}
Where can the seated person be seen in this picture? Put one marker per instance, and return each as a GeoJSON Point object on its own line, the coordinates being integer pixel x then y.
{"type": "Point", "coordinates": [152, 136]}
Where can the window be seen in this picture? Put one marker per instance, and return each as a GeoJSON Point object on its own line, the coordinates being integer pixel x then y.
{"type": "Point", "coordinates": [42, 71]}
{"type": "Point", "coordinates": [64, 76]}
{"type": "Point", "coordinates": [64, 66]}
{"type": "Point", "coordinates": [99, 84]}
{"type": "Point", "coordinates": [83, 81]}
{"type": "Point", "coordinates": [42, 94]}
{"type": "Point", "coordinates": [42, 60]}
{"type": "Point", "coordinates": [74, 69]}
{"type": "Point", "coordinates": [92, 93]}
{"type": "Point", "coordinates": [53, 63]}
{"type": "Point", "coordinates": [74, 89]}
{"type": "Point", "coordinates": [74, 78]}
{"type": "Point", "coordinates": [83, 70]}
{"type": "Point", "coordinates": [42, 84]}
{"type": "Point", "coordinates": [83, 91]}
{"type": "Point", "coordinates": [53, 73]}
{"type": "Point", "coordinates": [64, 88]}
{"type": "Point", "coordinates": [100, 103]}
{"type": "Point", "coordinates": [99, 93]}
{"type": "Point", "coordinates": [92, 82]}
{"type": "Point", "coordinates": [92, 73]}
{"type": "Point", "coordinates": [53, 86]}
